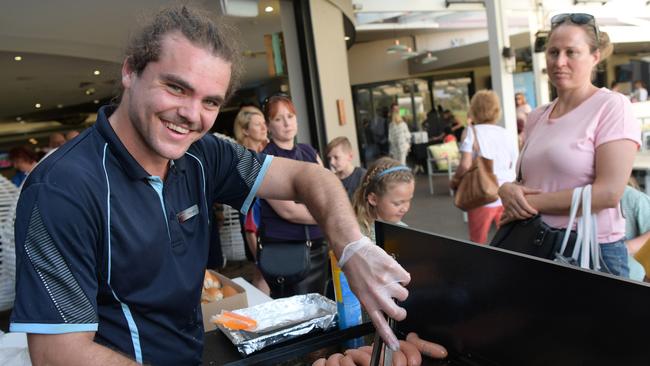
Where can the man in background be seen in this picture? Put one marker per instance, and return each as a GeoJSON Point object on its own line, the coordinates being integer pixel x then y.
{"type": "Point", "coordinates": [24, 160]}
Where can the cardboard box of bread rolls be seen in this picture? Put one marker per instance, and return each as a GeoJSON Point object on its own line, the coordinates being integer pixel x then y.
{"type": "Point", "coordinates": [234, 297]}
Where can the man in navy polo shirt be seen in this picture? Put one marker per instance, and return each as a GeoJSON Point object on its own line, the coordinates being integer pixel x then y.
{"type": "Point", "coordinates": [112, 229]}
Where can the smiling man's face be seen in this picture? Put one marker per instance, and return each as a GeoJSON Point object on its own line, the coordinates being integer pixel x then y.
{"type": "Point", "coordinates": [174, 101]}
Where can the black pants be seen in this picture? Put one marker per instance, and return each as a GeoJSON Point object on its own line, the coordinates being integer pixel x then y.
{"type": "Point", "coordinates": [315, 279]}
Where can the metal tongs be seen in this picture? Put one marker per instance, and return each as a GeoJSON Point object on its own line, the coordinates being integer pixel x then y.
{"type": "Point", "coordinates": [379, 346]}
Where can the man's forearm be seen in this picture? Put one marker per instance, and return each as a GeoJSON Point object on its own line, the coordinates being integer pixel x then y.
{"type": "Point", "coordinates": [105, 356]}
{"type": "Point", "coordinates": [328, 202]}
{"type": "Point", "coordinates": [47, 350]}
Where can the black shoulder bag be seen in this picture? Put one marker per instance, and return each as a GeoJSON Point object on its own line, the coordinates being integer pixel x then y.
{"type": "Point", "coordinates": [284, 261]}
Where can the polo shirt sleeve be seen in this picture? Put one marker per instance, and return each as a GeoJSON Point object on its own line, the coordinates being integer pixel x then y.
{"type": "Point", "coordinates": [617, 122]}
{"type": "Point", "coordinates": [56, 275]}
{"type": "Point", "coordinates": [237, 173]}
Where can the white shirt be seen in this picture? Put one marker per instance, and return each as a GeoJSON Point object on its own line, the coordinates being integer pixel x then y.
{"type": "Point", "coordinates": [399, 137]}
{"type": "Point", "coordinates": [640, 94]}
{"type": "Point", "coordinates": [497, 146]}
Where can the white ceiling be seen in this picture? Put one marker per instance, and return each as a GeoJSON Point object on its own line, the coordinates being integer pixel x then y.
{"type": "Point", "coordinates": [432, 27]}
{"type": "Point", "coordinates": [62, 42]}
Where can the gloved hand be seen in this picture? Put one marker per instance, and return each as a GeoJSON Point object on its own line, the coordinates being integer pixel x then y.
{"type": "Point", "coordinates": [376, 278]}
{"type": "Point", "coordinates": [409, 354]}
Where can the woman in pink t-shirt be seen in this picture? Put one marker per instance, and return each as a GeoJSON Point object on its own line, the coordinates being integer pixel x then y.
{"type": "Point", "coordinates": [585, 136]}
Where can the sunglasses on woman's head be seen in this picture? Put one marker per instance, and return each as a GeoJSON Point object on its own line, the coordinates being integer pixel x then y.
{"type": "Point", "coordinates": [576, 18]}
{"type": "Point", "coordinates": [275, 95]}
{"type": "Point", "coordinates": [266, 101]}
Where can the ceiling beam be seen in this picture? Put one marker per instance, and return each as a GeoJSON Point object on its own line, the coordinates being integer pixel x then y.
{"type": "Point", "coordinates": [397, 26]}
{"type": "Point", "coordinates": [369, 6]}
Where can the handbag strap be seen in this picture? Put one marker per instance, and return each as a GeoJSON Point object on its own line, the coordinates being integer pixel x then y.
{"type": "Point", "coordinates": [475, 145]}
{"type": "Point", "coordinates": [261, 234]}
{"type": "Point", "coordinates": [590, 247]}
{"type": "Point", "coordinates": [586, 247]}
{"type": "Point", "coordinates": [520, 178]}
{"type": "Point", "coordinates": [575, 204]}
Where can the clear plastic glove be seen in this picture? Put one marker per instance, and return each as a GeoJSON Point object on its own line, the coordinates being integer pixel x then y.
{"type": "Point", "coordinates": [515, 205]}
{"type": "Point", "coordinates": [410, 354]}
{"type": "Point", "coordinates": [376, 279]}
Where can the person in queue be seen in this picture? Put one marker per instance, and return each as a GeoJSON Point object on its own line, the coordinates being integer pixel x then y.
{"type": "Point", "coordinates": [522, 108]}
{"type": "Point", "coordinates": [292, 221]}
{"type": "Point", "coordinates": [595, 127]}
{"type": "Point", "coordinates": [635, 205]}
{"type": "Point", "coordinates": [23, 160]}
{"type": "Point", "coordinates": [112, 231]}
{"type": "Point", "coordinates": [251, 132]}
{"type": "Point", "coordinates": [494, 144]}
{"type": "Point", "coordinates": [250, 128]}
{"type": "Point", "coordinates": [385, 193]}
{"type": "Point", "coordinates": [340, 157]}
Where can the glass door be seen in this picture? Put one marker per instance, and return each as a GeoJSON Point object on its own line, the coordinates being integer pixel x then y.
{"type": "Point", "coordinates": [451, 97]}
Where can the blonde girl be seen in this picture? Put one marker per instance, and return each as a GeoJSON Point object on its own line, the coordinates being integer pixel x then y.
{"type": "Point", "coordinates": [385, 193]}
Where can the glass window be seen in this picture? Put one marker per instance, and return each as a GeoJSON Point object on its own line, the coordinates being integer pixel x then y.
{"type": "Point", "coordinates": [452, 97]}
{"type": "Point", "coordinates": [415, 98]}
{"type": "Point", "coordinates": [422, 102]}
{"type": "Point", "coordinates": [366, 128]}
{"type": "Point", "coordinates": [453, 94]}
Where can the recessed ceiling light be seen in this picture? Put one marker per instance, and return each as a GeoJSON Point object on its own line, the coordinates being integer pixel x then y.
{"type": "Point", "coordinates": [37, 105]}
{"type": "Point", "coordinates": [18, 58]}
{"type": "Point", "coordinates": [59, 106]}
{"type": "Point", "coordinates": [96, 101]}
{"type": "Point", "coordinates": [347, 38]}
{"type": "Point", "coordinates": [96, 72]}
{"type": "Point", "coordinates": [268, 9]}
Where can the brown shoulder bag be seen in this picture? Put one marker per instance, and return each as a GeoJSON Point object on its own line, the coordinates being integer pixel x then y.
{"type": "Point", "coordinates": [478, 186]}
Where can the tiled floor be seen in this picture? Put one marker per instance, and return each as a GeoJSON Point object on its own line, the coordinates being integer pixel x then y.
{"type": "Point", "coordinates": [436, 213]}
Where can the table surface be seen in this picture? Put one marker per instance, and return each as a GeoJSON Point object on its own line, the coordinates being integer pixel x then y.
{"type": "Point", "coordinates": [253, 295]}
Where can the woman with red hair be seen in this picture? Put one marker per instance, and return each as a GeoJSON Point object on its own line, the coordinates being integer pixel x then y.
{"type": "Point", "coordinates": [289, 221]}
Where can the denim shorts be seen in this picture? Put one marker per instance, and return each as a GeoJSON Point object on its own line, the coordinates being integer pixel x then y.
{"type": "Point", "coordinates": [614, 256]}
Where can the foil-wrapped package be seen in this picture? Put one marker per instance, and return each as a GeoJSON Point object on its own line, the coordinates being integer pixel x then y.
{"type": "Point", "coordinates": [280, 320]}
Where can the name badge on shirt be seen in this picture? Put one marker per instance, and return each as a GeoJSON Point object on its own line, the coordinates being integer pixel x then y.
{"type": "Point", "coordinates": [187, 214]}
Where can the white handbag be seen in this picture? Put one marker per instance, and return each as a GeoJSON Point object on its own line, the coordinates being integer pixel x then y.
{"type": "Point", "coordinates": [586, 251]}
